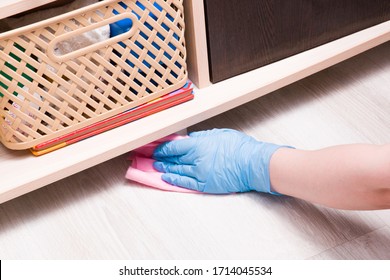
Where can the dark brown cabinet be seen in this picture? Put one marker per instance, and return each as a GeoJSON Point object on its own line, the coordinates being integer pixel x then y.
{"type": "Point", "coordinates": [243, 35]}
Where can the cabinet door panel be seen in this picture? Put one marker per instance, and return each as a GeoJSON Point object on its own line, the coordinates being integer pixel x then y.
{"type": "Point", "coordinates": [246, 34]}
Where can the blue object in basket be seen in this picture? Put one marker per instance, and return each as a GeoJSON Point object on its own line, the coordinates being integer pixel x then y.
{"type": "Point", "coordinates": [121, 26]}
{"type": "Point", "coordinates": [126, 24]}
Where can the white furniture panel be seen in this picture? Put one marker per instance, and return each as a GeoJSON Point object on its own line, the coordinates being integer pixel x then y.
{"type": "Point", "coordinates": [21, 172]}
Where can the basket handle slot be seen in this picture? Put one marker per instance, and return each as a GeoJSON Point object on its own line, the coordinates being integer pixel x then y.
{"type": "Point", "coordinates": [93, 47]}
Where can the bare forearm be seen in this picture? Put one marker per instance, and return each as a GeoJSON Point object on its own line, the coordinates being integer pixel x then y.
{"type": "Point", "coordinates": [347, 177]}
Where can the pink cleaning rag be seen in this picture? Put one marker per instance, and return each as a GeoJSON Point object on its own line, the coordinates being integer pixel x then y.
{"type": "Point", "coordinates": [142, 170]}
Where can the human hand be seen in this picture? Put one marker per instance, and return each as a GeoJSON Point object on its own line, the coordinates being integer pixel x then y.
{"type": "Point", "coordinates": [216, 161]}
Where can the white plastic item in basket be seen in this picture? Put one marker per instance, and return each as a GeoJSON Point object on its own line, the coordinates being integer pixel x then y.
{"type": "Point", "coordinates": [91, 83]}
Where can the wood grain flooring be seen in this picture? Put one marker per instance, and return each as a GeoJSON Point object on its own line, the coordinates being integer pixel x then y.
{"type": "Point", "coordinates": [98, 214]}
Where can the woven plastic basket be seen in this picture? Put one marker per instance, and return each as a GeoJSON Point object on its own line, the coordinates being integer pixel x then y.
{"type": "Point", "coordinates": [44, 95]}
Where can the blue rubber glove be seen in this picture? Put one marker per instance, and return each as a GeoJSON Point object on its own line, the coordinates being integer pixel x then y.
{"type": "Point", "coordinates": [216, 161]}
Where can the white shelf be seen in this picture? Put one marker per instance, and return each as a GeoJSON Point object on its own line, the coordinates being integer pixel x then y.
{"type": "Point", "coordinates": [11, 7]}
{"type": "Point", "coordinates": [21, 172]}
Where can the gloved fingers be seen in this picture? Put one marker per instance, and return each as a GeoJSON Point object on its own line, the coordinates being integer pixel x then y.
{"type": "Point", "coordinates": [180, 169]}
{"type": "Point", "coordinates": [187, 159]}
{"type": "Point", "coordinates": [182, 181]}
{"type": "Point", "coordinates": [205, 133]}
{"type": "Point", "coordinates": [174, 148]}
{"type": "Point", "coordinates": [184, 160]}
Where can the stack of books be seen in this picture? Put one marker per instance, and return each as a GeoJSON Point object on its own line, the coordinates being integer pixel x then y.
{"type": "Point", "coordinates": [174, 98]}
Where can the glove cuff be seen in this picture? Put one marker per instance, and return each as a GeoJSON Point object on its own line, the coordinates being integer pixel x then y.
{"type": "Point", "coordinates": [261, 181]}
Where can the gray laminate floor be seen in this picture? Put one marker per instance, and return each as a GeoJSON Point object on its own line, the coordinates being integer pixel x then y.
{"type": "Point", "coordinates": [98, 214]}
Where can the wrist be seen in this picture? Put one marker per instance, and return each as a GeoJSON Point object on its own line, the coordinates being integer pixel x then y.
{"type": "Point", "coordinates": [280, 166]}
{"type": "Point", "coordinates": [260, 167]}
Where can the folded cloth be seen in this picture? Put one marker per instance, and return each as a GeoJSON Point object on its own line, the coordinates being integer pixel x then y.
{"type": "Point", "coordinates": [142, 171]}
